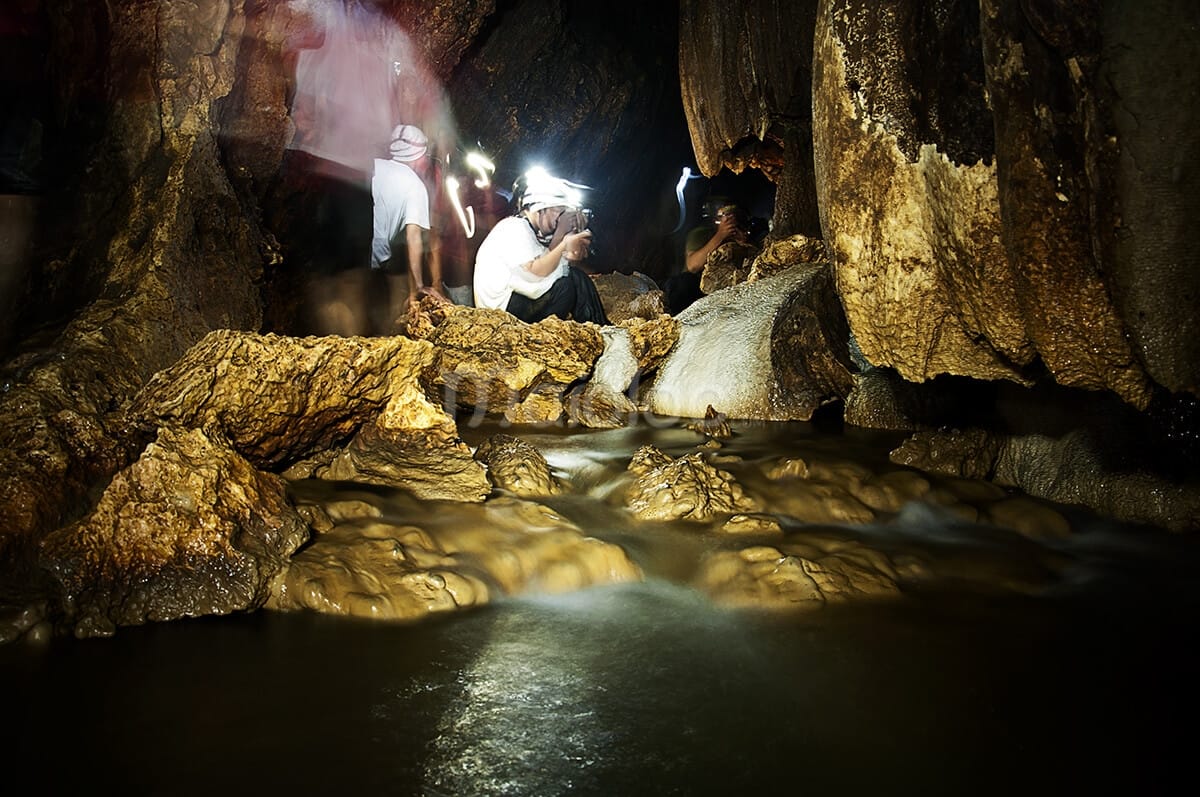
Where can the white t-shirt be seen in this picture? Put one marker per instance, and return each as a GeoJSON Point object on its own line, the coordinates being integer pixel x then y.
{"type": "Point", "coordinates": [400, 199]}
{"type": "Point", "coordinates": [500, 261]}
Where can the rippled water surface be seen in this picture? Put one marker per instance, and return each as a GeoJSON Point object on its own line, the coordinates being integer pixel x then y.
{"type": "Point", "coordinates": [648, 688]}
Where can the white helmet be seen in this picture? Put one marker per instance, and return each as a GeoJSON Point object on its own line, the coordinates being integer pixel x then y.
{"type": "Point", "coordinates": [543, 190]}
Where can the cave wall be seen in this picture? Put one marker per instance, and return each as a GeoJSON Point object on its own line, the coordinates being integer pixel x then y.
{"type": "Point", "coordinates": [746, 82]}
{"type": "Point", "coordinates": [590, 91]}
{"type": "Point", "coordinates": [1003, 187]}
{"type": "Point", "coordinates": [161, 249]}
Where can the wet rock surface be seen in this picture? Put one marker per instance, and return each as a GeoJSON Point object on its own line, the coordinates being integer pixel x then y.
{"type": "Point", "coordinates": [517, 467]}
{"type": "Point", "coordinates": [189, 529]}
{"type": "Point", "coordinates": [786, 335]}
{"type": "Point", "coordinates": [464, 557]}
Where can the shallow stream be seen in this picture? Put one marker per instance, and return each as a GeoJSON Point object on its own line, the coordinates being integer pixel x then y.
{"type": "Point", "coordinates": [1016, 677]}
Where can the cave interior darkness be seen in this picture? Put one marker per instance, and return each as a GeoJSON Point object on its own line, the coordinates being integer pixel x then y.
{"type": "Point", "coordinates": [58, 118]}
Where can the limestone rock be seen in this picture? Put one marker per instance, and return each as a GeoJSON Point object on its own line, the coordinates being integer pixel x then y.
{"type": "Point", "coordinates": [1074, 468]}
{"type": "Point", "coordinates": [686, 488]}
{"type": "Point", "coordinates": [626, 296]}
{"type": "Point", "coordinates": [598, 406]}
{"type": "Point", "coordinates": [783, 254]}
{"type": "Point", "coordinates": [278, 399]}
{"type": "Point", "coordinates": [963, 230]}
{"type": "Point", "coordinates": [773, 349]}
{"type": "Point", "coordinates": [713, 425]}
{"type": "Point", "coordinates": [651, 340]}
{"type": "Point", "coordinates": [798, 576]}
{"type": "Point", "coordinates": [746, 78]}
{"type": "Point", "coordinates": [461, 557]}
{"type": "Point", "coordinates": [153, 228]}
{"type": "Point", "coordinates": [428, 463]}
{"type": "Point", "coordinates": [728, 265]}
{"type": "Point", "coordinates": [189, 529]}
{"type": "Point", "coordinates": [602, 403]}
{"type": "Point", "coordinates": [490, 361]}
{"type": "Point", "coordinates": [517, 467]}
{"type": "Point", "coordinates": [970, 453]}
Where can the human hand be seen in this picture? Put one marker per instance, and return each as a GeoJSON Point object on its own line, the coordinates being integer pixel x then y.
{"type": "Point", "coordinates": [729, 229]}
{"type": "Point", "coordinates": [569, 221]}
{"type": "Point", "coordinates": [578, 244]}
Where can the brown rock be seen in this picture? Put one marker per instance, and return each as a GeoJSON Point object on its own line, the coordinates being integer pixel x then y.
{"type": "Point", "coordinates": [489, 361]}
{"type": "Point", "coordinates": [651, 340]}
{"type": "Point", "coordinates": [728, 265]}
{"type": "Point", "coordinates": [686, 488]}
{"type": "Point", "coordinates": [970, 453]}
{"type": "Point", "coordinates": [517, 467]}
{"type": "Point", "coordinates": [798, 576]}
{"type": "Point", "coordinates": [428, 463]}
{"type": "Point", "coordinates": [626, 296]}
{"type": "Point", "coordinates": [782, 255]}
{"type": "Point", "coordinates": [464, 556]}
{"type": "Point", "coordinates": [279, 399]}
{"type": "Point", "coordinates": [189, 529]}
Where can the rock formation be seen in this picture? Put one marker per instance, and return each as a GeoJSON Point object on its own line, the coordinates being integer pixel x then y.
{"type": "Point", "coordinates": [786, 334]}
{"type": "Point", "coordinates": [982, 210]}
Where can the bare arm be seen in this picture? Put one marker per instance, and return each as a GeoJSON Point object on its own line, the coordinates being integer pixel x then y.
{"type": "Point", "coordinates": [435, 263]}
{"type": "Point", "coordinates": [696, 260]}
{"type": "Point", "coordinates": [574, 246]}
{"type": "Point", "coordinates": [412, 234]}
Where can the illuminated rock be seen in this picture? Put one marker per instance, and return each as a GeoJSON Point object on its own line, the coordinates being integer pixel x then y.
{"type": "Point", "coordinates": [774, 349]}
{"type": "Point", "coordinates": [278, 399]}
{"type": "Point", "coordinates": [489, 361]}
{"type": "Point", "coordinates": [783, 254]}
{"type": "Point", "coordinates": [466, 555]}
{"type": "Point", "coordinates": [798, 575]}
{"type": "Point", "coordinates": [515, 466]}
{"type": "Point", "coordinates": [688, 488]}
{"type": "Point", "coordinates": [189, 529]}
{"type": "Point", "coordinates": [728, 265]}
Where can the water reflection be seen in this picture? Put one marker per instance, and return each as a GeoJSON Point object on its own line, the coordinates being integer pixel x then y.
{"type": "Point", "coordinates": [650, 687]}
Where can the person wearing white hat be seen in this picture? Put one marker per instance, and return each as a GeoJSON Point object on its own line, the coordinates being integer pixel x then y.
{"type": "Point", "coordinates": [401, 202]}
{"type": "Point", "coordinates": [525, 265]}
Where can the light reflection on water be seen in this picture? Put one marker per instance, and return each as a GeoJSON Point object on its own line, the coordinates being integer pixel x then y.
{"type": "Point", "coordinates": [649, 688]}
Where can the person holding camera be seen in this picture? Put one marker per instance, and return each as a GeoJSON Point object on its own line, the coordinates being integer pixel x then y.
{"type": "Point", "coordinates": [527, 265]}
{"type": "Point", "coordinates": [722, 222]}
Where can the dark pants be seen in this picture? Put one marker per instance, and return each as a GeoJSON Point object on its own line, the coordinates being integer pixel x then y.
{"type": "Point", "coordinates": [574, 295]}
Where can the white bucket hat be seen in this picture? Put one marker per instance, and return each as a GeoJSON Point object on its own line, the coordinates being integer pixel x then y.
{"type": "Point", "coordinates": [408, 143]}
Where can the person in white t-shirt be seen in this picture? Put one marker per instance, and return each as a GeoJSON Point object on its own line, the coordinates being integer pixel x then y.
{"type": "Point", "coordinates": [525, 266]}
{"type": "Point", "coordinates": [401, 202]}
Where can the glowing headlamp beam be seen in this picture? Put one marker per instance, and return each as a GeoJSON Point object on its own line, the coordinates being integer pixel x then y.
{"type": "Point", "coordinates": [466, 217]}
{"type": "Point", "coordinates": [684, 176]}
{"type": "Point", "coordinates": [483, 166]}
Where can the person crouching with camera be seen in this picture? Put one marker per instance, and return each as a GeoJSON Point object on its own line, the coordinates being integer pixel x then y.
{"type": "Point", "coordinates": [527, 265]}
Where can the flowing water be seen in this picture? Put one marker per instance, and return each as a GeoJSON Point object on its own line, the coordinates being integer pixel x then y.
{"type": "Point", "coordinates": [1081, 681]}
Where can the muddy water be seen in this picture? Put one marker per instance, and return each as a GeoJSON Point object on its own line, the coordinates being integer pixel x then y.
{"type": "Point", "coordinates": [1033, 663]}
